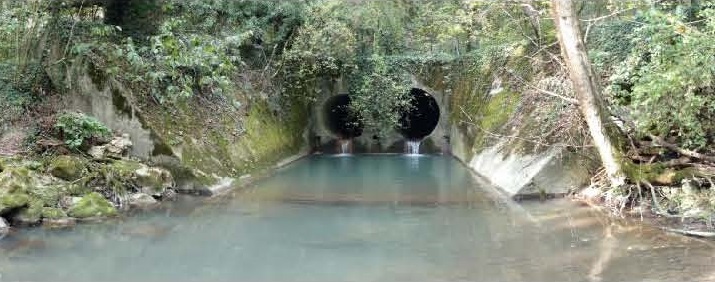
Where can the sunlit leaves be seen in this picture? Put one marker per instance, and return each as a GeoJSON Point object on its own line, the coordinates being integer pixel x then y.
{"type": "Point", "coordinates": [668, 80]}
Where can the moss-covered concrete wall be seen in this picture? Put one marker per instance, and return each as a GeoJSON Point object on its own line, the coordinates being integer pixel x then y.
{"type": "Point", "coordinates": [497, 124]}
{"type": "Point", "coordinates": [201, 140]}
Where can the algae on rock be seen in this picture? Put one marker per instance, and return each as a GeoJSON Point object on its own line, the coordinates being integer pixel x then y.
{"type": "Point", "coordinates": [92, 205]}
{"type": "Point", "coordinates": [68, 168]}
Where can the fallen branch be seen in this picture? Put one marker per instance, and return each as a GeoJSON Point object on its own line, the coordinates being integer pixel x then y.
{"type": "Point", "coordinates": [682, 151]}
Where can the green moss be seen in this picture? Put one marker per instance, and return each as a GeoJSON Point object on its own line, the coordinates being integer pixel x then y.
{"type": "Point", "coordinates": [76, 190]}
{"type": "Point", "coordinates": [33, 213]}
{"type": "Point", "coordinates": [268, 139]}
{"type": "Point", "coordinates": [124, 168]}
{"type": "Point", "coordinates": [50, 194]}
{"type": "Point", "coordinates": [12, 201]}
{"type": "Point", "coordinates": [656, 173]}
{"type": "Point", "coordinates": [53, 213]}
{"type": "Point", "coordinates": [642, 172]}
{"type": "Point", "coordinates": [16, 179]}
{"type": "Point", "coordinates": [497, 111]}
{"type": "Point", "coordinates": [92, 205]}
{"type": "Point", "coordinates": [68, 168]}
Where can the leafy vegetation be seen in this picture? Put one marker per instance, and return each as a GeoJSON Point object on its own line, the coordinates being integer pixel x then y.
{"type": "Point", "coordinates": [655, 57]}
{"type": "Point", "coordinates": [670, 70]}
{"type": "Point", "coordinates": [77, 129]}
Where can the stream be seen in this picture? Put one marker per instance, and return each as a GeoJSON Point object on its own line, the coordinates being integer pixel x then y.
{"type": "Point", "coordinates": [360, 218]}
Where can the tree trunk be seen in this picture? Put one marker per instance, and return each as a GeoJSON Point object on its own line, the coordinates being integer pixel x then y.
{"type": "Point", "coordinates": [586, 87]}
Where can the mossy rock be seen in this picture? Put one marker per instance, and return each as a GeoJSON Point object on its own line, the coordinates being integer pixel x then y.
{"type": "Point", "coordinates": [9, 162]}
{"type": "Point", "coordinates": [92, 205]}
{"type": "Point", "coordinates": [3, 163]}
{"type": "Point", "coordinates": [76, 190]}
{"type": "Point", "coordinates": [68, 168]}
{"type": "Point", "coordinates": [124, 168]}
{"type": "Point", "coordinates": [30, 215]}
{"type": "Point", "coordinates": [53, 213]}
{"type": "Point", "coordinates": [154, 181]}
{"type": "Point", "coordinates": [16, 179]}
{"type": "Point", "coordinates": [12, 201]}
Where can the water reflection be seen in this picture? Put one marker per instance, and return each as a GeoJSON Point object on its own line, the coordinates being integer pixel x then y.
{"type": "Point", "coordinates": [366, 218]}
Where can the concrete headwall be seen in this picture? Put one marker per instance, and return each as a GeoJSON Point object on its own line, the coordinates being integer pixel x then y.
{"type": "Point", "coordinates": [488, 133]}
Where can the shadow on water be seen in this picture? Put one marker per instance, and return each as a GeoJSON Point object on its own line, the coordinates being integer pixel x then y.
{"type": "Point", "coordinates": [360, 218]}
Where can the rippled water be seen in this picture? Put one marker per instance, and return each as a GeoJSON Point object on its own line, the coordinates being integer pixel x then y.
{"type": "Point", "coordinates": [362, 218]}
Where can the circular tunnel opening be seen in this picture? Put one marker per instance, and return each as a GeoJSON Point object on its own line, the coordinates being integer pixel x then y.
{"type": "Point", "coordinates": [422, 116]}
{"type": "Point", "coordinates": [340, 118]}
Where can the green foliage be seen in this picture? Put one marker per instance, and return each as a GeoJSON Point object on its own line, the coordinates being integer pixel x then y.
{"type": "Point", "coordinates": [77, 129]}
{"type": "Point", "coordinates": [379, 94]}
{"type": "Point", "coordinates": [178, 65]}
{"type": "Point", "coordinates": [611, 43]}
{"type": "Point", "coordinates": [668, 80]}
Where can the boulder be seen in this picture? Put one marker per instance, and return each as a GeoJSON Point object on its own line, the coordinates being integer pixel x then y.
{"type": "Point", "coordinates": [92, 205]}
{"type": "Point", "coordinates": [11, 201]}
{"type": "Point", "coordinates": [4, 228]}
{"type": "Point", "coordinates": [68, 168]}
{"type": "Point", "coordinates": [29, 216]}
{"type": "Point", "coordinates": [153, 180]}
{"type": "Point", "coordinates": [56, 218]}
{"type": "Point", "coordinates": [169, 195]}
{"type": "Point", "coordinates": [142, 201]}
{"type": "Point", "coordinates": [67, 202]}
{"type": "Point", "coordinates": [14, 186]}
{"type": "Point", "coordinates": [53, 213]}
{"type": "Point", "coordinates": [115, 149]}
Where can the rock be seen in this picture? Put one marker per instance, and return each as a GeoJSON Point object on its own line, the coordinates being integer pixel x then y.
{"type": "Point", "coordinates": [153, 180]}
{"type": "Point", "coordinates": [30, 216]}
{"type": "Point", "coordinates": [667, 177]}
{"type": "Point", "coordinates": [53, 213]}
{"type": "Point", "coordinates": [98, 152]}
{"type": "Point", "coordinates": [222, 187]}
{"type": "Point", "coordinates": [11, 201]}
{"type": "Point", "coordinates": [169, 195]}
{"type": "Point", "coordinates": [67, 167]}
{"type": "Point", "coordinates": [92, 205]}
{"type": "Point", "coordinates": [4, 228]}
{"type": "Point", "coordinates": [115, 149]}
{"type": "Point", "coordinates": [67, 202]}
{"type": "Point", "coordinates": [56, 218]}
{"type": "Point", "coordinates": [142, 201]}
{"type": "Point", "coordinates": [14, 186]}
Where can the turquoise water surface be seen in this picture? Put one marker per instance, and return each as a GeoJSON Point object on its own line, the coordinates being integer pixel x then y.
{"type": "Point", "coordinates": [360, 218]}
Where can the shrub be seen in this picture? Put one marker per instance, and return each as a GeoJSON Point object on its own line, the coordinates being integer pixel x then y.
{"type": "Point", "coordinates": [78, 129]}
{"type": "Point", "coordinates": [668, 80]}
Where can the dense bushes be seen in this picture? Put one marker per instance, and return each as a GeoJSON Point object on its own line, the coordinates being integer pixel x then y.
{"type": "Point", "coordinates": [667, 81]}
{"type": "Point", "coordinates": [78, 129]}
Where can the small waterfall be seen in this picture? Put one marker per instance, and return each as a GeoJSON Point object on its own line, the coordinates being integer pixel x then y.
{"type": "Point", "coordinates": [413, 147]}
{"type": "Point", "coordinates": [346, 147]}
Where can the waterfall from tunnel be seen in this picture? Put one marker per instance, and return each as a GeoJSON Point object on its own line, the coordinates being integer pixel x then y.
{"type": "Point", "coordinates": [412, 147]}
{"type": "Point", "coordinates": [419, 120]}
{"type": "Point", "coordinates": [346, 147]}
{"type": "Point", "coordinates": [342, 122]}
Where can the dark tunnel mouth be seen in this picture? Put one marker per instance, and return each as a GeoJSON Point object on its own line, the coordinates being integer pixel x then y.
{"type": "Point", "coordinates": [340, 119]}
{"type": "Point", "coordinates": [421, 119]}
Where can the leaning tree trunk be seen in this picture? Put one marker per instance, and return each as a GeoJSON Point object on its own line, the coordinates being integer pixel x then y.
{"type": "Point", "coordinates": [586, 87]}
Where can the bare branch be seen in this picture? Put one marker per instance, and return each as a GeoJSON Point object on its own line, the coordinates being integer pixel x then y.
{"type": "Point", "coordinates": [682, 151]}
